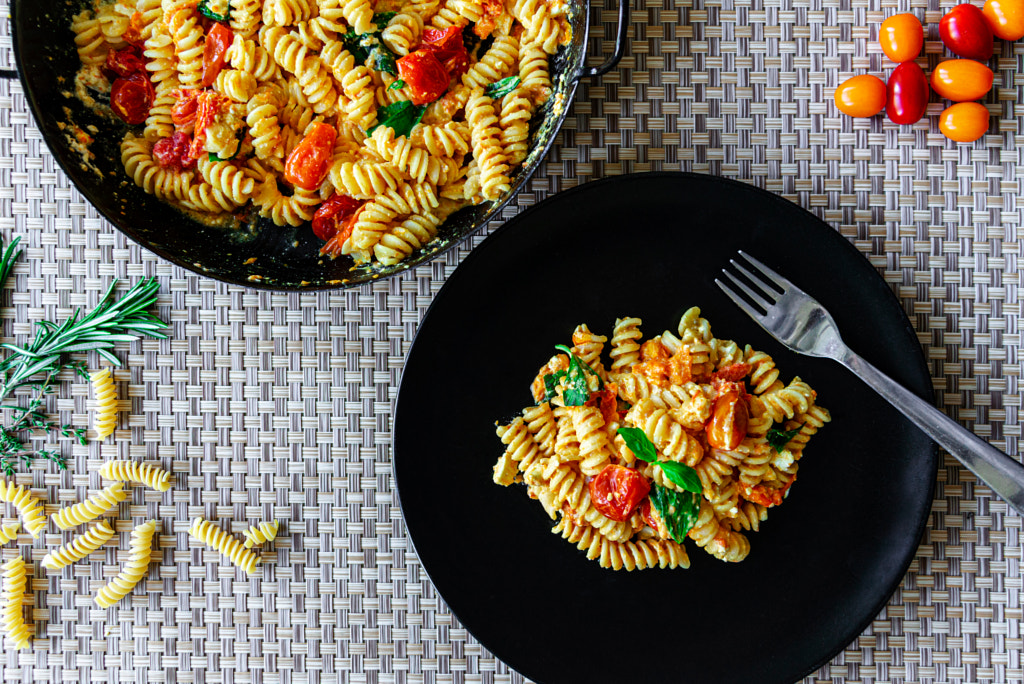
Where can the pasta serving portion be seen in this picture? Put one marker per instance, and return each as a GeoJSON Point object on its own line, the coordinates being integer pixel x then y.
{"type": "Point", "coordinates": [681, 435]}
{"type": "Point", "coordinates": [374, 121]}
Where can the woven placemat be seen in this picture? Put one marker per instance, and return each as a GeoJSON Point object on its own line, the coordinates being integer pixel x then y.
{"type": "Point", "coordinates": [270, 405]}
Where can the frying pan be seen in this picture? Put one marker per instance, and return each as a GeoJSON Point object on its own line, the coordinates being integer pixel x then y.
{"type": "Point", "coordinates": [270, 257]}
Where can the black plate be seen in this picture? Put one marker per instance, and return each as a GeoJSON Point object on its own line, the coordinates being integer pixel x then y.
{"type": "Point", "coordinates": [824, 563]}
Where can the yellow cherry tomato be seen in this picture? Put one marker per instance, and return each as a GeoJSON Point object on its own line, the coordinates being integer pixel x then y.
{"type": "Point", "coordinates": [964, 122]}
{"type": "Point", "coordinates": [901, 37]}
{"type": "Point", "coordinates": [961, 80]}
{"type": "Point", "coordinates": [1006, 17]}
{"type": "Point", "coordinates": [862, 95]}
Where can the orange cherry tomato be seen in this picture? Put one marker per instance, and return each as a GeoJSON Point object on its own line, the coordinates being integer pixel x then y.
{"type": "Point", "coordinates": [307, 165]}
{"type": "Point", "coordinates": [616, 491]}
{"type": "Point", "coordinates": [964, 122]}
{"type": "Point", "coordinates": [1006, 17]}
{"type": "Point", "coordinates": [729, 418]}
{"type": "Point", "coordinates": [215, 52]}
{"type": "Point", "coordinates": [961, 80]}
{"type": "Point", "coordinates": [901, 37]}
{"type": "Point", "coordinates": [862, 95]}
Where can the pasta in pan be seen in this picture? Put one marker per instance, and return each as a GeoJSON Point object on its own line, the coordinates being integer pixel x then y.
{"type": "Point", "coordinates": [324, 110]}
{"type": "Point", "coordinates": [683, 435]}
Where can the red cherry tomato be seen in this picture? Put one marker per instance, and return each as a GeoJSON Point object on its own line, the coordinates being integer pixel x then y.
{"type": "Point", "coordinates": [218, 40]}
{"type": "Point", "coordinates": [901, 37]}
{"type": "Point", "coordinates": [307, 165]}
{"type": "Point", "coordinates": [1005, 17]}
{"type": "Point", "coordinates": [131, 97]}
{"type": "Point", "coordinates": [186, 104]}
{"type": "Point", "coordinates": [492, 10]}
{"type": "Point", "coordinates": [964, 122]}
{"type": "Point", "coordinates": [737, 371]}
{"type": "Point", "coordinates": [906, 94]}
{"type": "Point", "coordinates": [125, 62]}
{"type": "Point", "coordinates": [425, 77]}
{"type": "Point", "coordinates": [207, 110]}
{"type": "Point", "coordinates": [332, 217]}
{"type": "Point", "coordinates": [449, 48]}
{"type": "Point", "coordinates": [729, 418]}
{"type": "Point", "coordinates": [616, 491]}
{"type": "Point", "coordinates": [961, 80]}
{"type": "Point", "coordinates": [862, 95]}
{"type": "Point", "coordinates": [133, 34]}
{"type": "Point", "coordinates": [174, 152]}
{"type": "Point", "coordinates": [966, 32]}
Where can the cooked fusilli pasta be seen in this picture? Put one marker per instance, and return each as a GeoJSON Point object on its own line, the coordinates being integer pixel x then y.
{"type": "Point", "coordinates": [104, 403]}
{"type": "Point", "coordinates": [687, 436]}
{"type": "Point", "coordinates": [261, 533]}
{"type": "Point", "coordinates": [15, 574]}
{"type": "Point", "coordinates": [29, 508]}
{"type": "Point", "coordinates": [90, 509]}
{"type": "Point", "coordinates": [134, 471]}
{"type": "Point", "coordinates": [79, 547]}
{"type": "Point", "coordinates": [228, 545]}
{"type": "Point", "coordinates": [139, 557]}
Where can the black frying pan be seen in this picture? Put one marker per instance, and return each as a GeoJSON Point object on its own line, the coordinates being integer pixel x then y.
{"type": "Point", "coordinates": [282, 258]}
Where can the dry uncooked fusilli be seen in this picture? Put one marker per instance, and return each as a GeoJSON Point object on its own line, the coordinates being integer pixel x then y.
{"type": "Point", "coordinates": [15, 576]}
{"type": "Point", "coordinates": [9, 532]}
{"type": "Point", "coordinates": [700, 412]}
{"type": "Point", "coordinates": [104, 403]}
{"type": "Point", "coordinates": [90, 509]}
{"type": "Point", "coordinates": [228, 545]}
{"type": "Point", "coordinates": [134, 471]}
{"type": "Point", "coordinates": [79, 547]}
{"type": "Point", "coordinates": [29, 508]}
{"type": "Point", "coordinates": [261, 533]}
{"type": "Point", "coordinates": [139, 556]}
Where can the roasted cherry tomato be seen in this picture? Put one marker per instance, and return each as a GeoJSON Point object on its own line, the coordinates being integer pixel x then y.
{"type": "Point", "coordinates": [424, 76]}
{"type": "Point", "coordinates": [736, 371]}
{"type": "Point", "coordinates": [449, 48]}
{"type": "Point", "coordinates": [125, 62]}
{"type": "Point", "coordinates": [862, 95]}
{"type": "Point", "coordinates": [131, 97]}
{"type": "Point", "coordinates": [729, 417]}
{"type": "Point", "coordinates": [218, 40]}
{"type": "Point", "coordinates": [133, 34]}
{"type": "Point", "coordinates": [964, 122]}
{"type": "Point", "coordinates": [906, 94]}
{"type": "Point", "coordinates": [186, 104]}
{"type": "Point", "coordinates": [174, 152]}
{"type": "Point", "coordinates": [332, 216]}
{"type": "Point", "coordinates": [607, 400]}
{"type": "Point", "coordinates": [966, 32]}
{"type": "Point", "coordinates": [901, 37]}
{"type": "Point", "coordinates": [307, 165]}
{"type": "Point", "coordinates": [208, 109]}
{"type": "Point", "coordinates": [1005, 17]}
{"type": "Point", "coordinates": [961, 80]}
{"type": "Point", "coordinates": [492, 10]}
{"type": "Point", "coordinates": [617, 490]}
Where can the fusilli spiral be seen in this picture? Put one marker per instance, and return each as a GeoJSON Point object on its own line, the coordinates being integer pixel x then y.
{"type": "Point", "coordinates": [140, 555]}
{"type": "Point", "coordinates": [216, 538]}
{"type": "Point", "coordinates": [135, 471]}
{"type": "Point", "coordinates": [29, 508]}
{"type": "Point", "coordinates": [90, 509]}
{"type": "Point", "coordinates": [105, 403]}
{"type": "Point", "coordinates": [9, 532]}
{"type": "Point", "coordinates": [261, 533]}
{"type": "Point", "coordinates": [79, 547]}
{"type": "Point", "coordinates": [15, 585]}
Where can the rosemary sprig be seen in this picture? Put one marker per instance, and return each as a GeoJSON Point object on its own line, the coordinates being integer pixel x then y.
{"type": "Point", "coordinates": [37, 364]}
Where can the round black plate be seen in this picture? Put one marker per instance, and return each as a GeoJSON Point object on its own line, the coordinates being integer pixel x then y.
{"type": "Point", "coordinates": [822, 566]}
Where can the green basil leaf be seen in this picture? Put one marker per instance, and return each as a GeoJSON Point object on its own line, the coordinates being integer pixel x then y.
{"type": "Point", "coordinates": [681, 475]}
{"type": "Point", "coordinates": [353, 43]}
{"type": "Point", "coordinates": [210, 13]}
{"type": "Point", "coordinates": [502, 88]}
{"type": "Point", "coordinates": [382, 59]}
{"type": "Point", "coordinates": [397, 85]}
{"type": "Point", "coordinates": [381, 19]}
{"type": "Point", "coordinates": [638, 443]}
{"type": "Point", "coordinates": [401, 117]}
{"type": "Point", "coordinates": [551, 384]}
{"type": "Point", "coordinates": [577, 392]}
{"type": "Point", "coordinates": [679, 510]}
{"type": "Point", "coordinates": [778, 439]}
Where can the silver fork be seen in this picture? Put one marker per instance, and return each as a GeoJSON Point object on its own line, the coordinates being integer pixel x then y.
{"type": "Point", "coordinates": [798, 321]}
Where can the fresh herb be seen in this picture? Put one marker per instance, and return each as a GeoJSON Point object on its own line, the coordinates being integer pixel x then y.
{"type": "Point", "coordinates": [502, 88]}
{"type": "Point", "coordinates": [576, 391]}
{"type": "Point", "coordinates": [679, 510]}
{"type": "Point", "coordinates": [397, 85]}
{"type": "Point", "coordinates": [37, 364]}
{"type": "Point", "coordinates": [678, 474]}
{"type": "Point", "coordinates": [207, 10]}
{"type": "Point", "coordinates": [778, 439]}
{"type": "Point", "coordinates": [382, 59]}
{"type": "Point", "coordinates": [383, 18]}
{"type": "Point", "coordinates": [402, 117]}
{"type": "Point", "coordinates": [551, 381]}
{"type": "Point", "coordinates": [354, 43]}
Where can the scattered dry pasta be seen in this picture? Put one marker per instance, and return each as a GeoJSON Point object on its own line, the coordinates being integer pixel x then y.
{"type": "Point", "coordinates": [79, 547]}
{"type": "Point", "coordinates": [15, 585]}
{"type": "Point", "coordinates": [261, 533]}
{"type": "Point", "coordinates": [29, 508]}
{"type": "Point", "coordinates": [105, 403]}
{"type": "Point", "coordinates": [132, 572]}
{"type": "Point", "coordinates": [134, 471]}
{"type": "Point", "coordinates": [9, 532]}
{"type": "Point", "coordinates": [681, 435]}
{"type": "Point", "coordinates": [454, 85]}
{"type": "Point", "coordinates": [226, 544]}
{"type": "Point", "coordinates": [90, 509]}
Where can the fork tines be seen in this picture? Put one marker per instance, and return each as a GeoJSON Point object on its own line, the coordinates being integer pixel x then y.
{"type": "Point", "coordinates": [770, 284]}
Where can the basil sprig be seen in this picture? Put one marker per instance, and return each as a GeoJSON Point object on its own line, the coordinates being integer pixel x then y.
{"type": "Point", "coordinates": [679, 510]}
{"type": "Point", "coordinates": [397, 85]}
{"type": "Point", "coordinates": [778, 439]}
{"type": "Point", "coordinates": [678, 474]}
{"type": "Point", "coordinates": [401, 117]}
{"type": "Point", "coordinates": [502, 88]}
{"type": "Point", "coordinates": [577, 392]}
{"type": "Point", "coordinates": [209, 12]}
{"type": "Point", "coordinates": [382, 59]}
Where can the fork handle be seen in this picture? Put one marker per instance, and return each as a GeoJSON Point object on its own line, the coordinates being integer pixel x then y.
{"type": "Point", "coordinates": [1003, 474]}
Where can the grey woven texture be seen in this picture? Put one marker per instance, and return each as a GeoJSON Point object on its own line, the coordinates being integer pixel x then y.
{"type": "Point", "coordinates": [271, 405]}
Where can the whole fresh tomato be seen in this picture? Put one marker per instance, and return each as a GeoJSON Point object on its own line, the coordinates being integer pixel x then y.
{"type": "Point", "coordinates": [332, 217]}
{"type": "Point", "coordinates": [449, 48]}
{"type": "Point", "coordinates": [131, 97]}
{"type": "Point", "coordinates": [901, 37]}
{"type": "Point", "coordinates": [860, 96]}
{"type": "Point", "coordinates": [307, 165]}
{"type": "Point", "coordinates": [966, 32]}
{"type": "Point", "coordinates": [425, 77]}
{"type": "Point", "coordinates": [1005, 17]}
{"type": "Point", "coordinates": [964, 121]}
{"type": "Point", "coordinates": [617, 490]}
{"type": "Point", "coordinates": [906, 94]}
{"type": "Point", "coordinates": [961, 80]}
{"type": "Point", "coordinates": [124, 62]}
{"type": "Point", "coordinates": [215, 51]}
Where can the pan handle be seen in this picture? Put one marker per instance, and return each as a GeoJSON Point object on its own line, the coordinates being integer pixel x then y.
{"type": "Point", "coordinates": [620, 46]}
